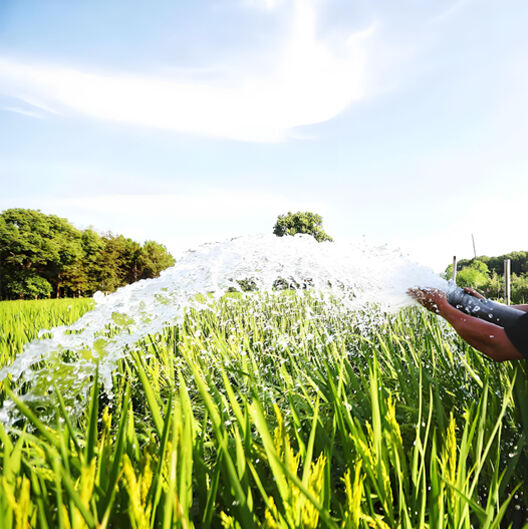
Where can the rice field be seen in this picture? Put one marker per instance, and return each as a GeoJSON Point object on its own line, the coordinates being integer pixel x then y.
{"type": "Point", "coordinates": [273, 412]}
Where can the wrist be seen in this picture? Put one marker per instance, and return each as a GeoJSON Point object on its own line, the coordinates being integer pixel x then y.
{"type": "Point", "coordinates": [444, 307]}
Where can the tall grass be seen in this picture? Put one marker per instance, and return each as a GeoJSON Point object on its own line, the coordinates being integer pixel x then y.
{"type": "Point", "coordinates": [279, 412]}
{"type": "Point", "coordinates": [21, 321]}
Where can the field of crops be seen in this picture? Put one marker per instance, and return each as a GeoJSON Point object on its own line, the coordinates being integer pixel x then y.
{"type": "Point", "coordinates": [273, 412]}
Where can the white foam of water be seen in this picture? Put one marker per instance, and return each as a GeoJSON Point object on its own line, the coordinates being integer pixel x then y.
{"type": "Point", "coordinates": [356, 274]}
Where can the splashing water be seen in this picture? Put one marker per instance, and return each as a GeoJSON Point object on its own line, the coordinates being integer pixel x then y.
{"type": "Point", "coordinates": [357, 275]}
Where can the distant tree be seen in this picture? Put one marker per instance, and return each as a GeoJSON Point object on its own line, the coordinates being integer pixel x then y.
{"type": "Point", "coordinates": [75, 280]}
{"type": "Point", "coordinates": [153, 259]}
{"type": "Point", "coordinates": [35, 244]}
{"type": "Point", "coordinates": [475, 275]}
{"type": "Point", "coordinates": [494, 289]}
{"type": "Point", "coordinates": [113, 263]}
{"type": "Point", "coordinates": [519, 262]}
{"type": "Point", "coordinates": [89, 273]}
{"type": "Point", "coordinates": [122, 261]}
{"type": "Point", "coordinates": [519, 289]}
{"type": "Point", "coordinates": [301, 222]}
{"type": "Point", "coordinates": [487, 274]}
{"type": "Point", "coordinates": [130, 267]}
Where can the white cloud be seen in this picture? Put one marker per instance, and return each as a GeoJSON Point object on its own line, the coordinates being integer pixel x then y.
{"type": "Point", "coordinates": [310, 84]}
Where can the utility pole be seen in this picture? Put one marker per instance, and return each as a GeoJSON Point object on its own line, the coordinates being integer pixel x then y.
{"type": "Point", "coordinates": [507, 283]}
{"type": "Point", "coordinates": [453, 276]}
{"type": "Point", "coordinates": [474, 249]}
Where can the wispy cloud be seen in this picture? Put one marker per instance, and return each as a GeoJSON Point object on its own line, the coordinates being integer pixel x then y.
{"type": "Point", "coordinates": [23, 112]}
{"type": "Point", "coordinates": [311, 83]}
{"type": "Point", "coordinates": [451, 9]}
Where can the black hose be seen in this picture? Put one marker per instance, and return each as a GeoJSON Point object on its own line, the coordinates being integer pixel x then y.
{"type": "Point", "coordinates": [484, 309]}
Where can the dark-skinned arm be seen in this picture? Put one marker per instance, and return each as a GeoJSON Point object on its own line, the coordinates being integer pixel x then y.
{"type": "Point", "coordinates": [484, 336]}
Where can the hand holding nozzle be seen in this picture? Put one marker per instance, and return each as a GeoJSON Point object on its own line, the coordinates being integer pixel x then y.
{"type": "Point", "coordinates": [466, 300]}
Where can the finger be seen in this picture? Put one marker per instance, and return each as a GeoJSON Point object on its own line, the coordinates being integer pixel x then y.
{"type": "Point", "coordinates": [474, 293]}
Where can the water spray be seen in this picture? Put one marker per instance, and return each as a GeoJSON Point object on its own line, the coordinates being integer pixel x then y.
{"type": "Point", "coordinates": [344, 277]}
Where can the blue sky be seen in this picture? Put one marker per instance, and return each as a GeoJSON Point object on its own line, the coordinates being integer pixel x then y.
{"type": "Point", "coordinates": [186, 122]}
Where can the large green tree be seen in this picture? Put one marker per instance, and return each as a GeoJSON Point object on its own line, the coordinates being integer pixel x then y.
{"type": "Point", "coordinates": [26, 284]}
{"type": "Point", "coordinates": [33, 244]}
{"type": "Point", "coordinates": [43, 255]}
{"type": "Point", "coordinates": [301, 222]}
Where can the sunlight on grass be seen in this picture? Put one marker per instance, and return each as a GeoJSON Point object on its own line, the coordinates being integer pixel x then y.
{"type": "Point", "coordinates": [271, 411]}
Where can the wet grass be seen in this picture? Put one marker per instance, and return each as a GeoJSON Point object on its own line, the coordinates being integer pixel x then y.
{"type": "Point", "coordinates": [21, 321]}
{"type": "Point", "coordinates": [275, 412]}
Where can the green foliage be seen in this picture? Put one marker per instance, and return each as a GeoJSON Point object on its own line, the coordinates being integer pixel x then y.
{"type": "Point", "coordinates": [116, 263]}
{"type": "Point", "coordinates": [301, 222]}
{"type": "Point", "coordinates": [494, 288]}
{"type": "Point", "coordinates": [22, 284]}
{"type": "Point", "coordinates": [153, 259]}
{"type": "Point", "coordinates": [519, 289]}
{"type": "Point", "coordinates": [487, 275]}
{"type": "Point", "coordinates": [274, 412]}
{"type": "Point", "coordinates": [43, 254]}
{"type": "Point", "coordinates": [34, 244]}
{"type": "Point", "coordinates": [519, 263]}
{"type": "Point", "coordinates": [475, 275]}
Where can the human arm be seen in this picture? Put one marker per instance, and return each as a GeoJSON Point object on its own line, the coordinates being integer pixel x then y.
{"type": "Point", "coordinates": [487, 337]}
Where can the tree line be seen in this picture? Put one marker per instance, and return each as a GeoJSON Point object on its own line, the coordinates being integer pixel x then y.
{"type": "Point", "coordinates": [46, 256]}
{"type": "Point", "coordinates": [487, 275]}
